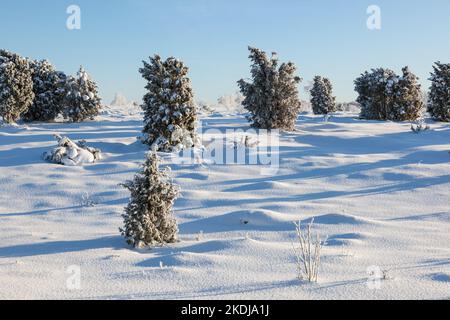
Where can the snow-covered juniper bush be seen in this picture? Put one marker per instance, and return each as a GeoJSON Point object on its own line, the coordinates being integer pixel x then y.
{"type": "Point", "coordinates": [48, 88]}
{"type": "Point", "coordinates": [169, 109]}
{"type": "Point", "coordinates": [148, 218]}
{"type": "Point", "coordinates": [439, 96]}
{"type": "Point", "coordinates": [70, 153]}
{"type": "Point", "coordinates": [383, 95]}
{"type": "Point", "coordinates": [81, 101]}
{"type": "Point", "coordinates": [322, 99]}
{"type": "Point", "coordinates": [272, 95]}
{"type": "Point", "coordinates": [16, 86]}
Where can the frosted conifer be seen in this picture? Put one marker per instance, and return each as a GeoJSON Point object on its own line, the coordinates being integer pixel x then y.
{"type": "Point", "coordinates": [439, 96]}
{"type": "Point", "coordinates": [272, 95]}
{"type": "Point", "coordinates": [16, 86]}
{"type": "Point", "coordinates": [169, 108]}
{"type": "Point", "coordinates": [119, 100]}
{"type": "Point", "coordinates": [408, 103]}
{"type": "Point", "coordinates": [372, 93]}
{"type": "Point", "coordinates": [148, 217]}
{"type": "Point", "coordinates": [48, 88]}
{"type": "Point", "coordinates": [322, 99]}
{"type": "Point", "coordinates": [383, 95]}
{"type": "Point", "coordinates": [81, 100]}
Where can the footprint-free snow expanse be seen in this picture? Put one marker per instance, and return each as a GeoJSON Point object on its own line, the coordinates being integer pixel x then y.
{"type": "Point", "coordinates": [379, 192]}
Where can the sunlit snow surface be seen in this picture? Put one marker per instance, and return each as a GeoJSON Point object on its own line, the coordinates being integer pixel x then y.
{"type": "Point", "coordinates": [380, 193]}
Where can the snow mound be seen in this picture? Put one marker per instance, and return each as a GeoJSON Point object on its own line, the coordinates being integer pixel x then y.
{"type": "Point", "coordinates": [345, 239]}
{"type": "Point", "coordinates": [245, 220]}
{"type": "Point", "coordinates": [69, 153]}
{"type": "Point", "coordinates": [336, 218]}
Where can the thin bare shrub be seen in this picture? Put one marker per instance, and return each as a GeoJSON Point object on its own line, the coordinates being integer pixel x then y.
{"type": "Point", "coordinates": [307, 252]}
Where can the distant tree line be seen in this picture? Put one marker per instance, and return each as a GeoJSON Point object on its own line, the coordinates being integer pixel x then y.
{"type": "Point", "coordinates": [32, 90]}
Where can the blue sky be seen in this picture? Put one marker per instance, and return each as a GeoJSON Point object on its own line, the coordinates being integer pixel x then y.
{"type": "Point", "coordinates": [328, 38]}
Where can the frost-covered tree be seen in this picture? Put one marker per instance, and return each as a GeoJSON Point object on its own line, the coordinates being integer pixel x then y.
{"type": "Point", "coordinates": [16, 86]}
{"type": "Point", "coordinates": [170, 114]}
{"type": "Point", "coordinates": [148, 218]}
{"type": "Point", "coordinates": [373, 93]}
{"type": "Point", "coordinates": [81, 100]}
{"type": "Point", "coordinates": [383, 95]}
{"type": "Point", "coordinates": [322, 99]}
{"type": "Point", "coordinates": [272, 95]}
{"type": "Point", "coordinates": [408, 100]}
{"type": "Point", "coordinates": [119, 100]}
{"type": "Point", "coordinates": [439, 96]}
{"type": "Point", "coordinates": [231, 102]}
{"type": "Point", "coordinates": [48, 88]}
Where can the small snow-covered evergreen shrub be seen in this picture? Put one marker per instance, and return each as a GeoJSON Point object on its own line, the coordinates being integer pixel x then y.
{"type": "Point", "coordinates": [81, 100]}
{"type": "Point", "coordinates": [16, 86]}
{"type": "Point", "coordinates": [419, 126]}
{"type": "Point", "coordinates": [307, 252]}
{"type": "Point", "coordinates": [170, 114]}
{"type": "Point", "coordinates": [272, 95]}
{"type": "Point", "coordinates": [148, 217]}
{"type": "Point", "coordinates": [70, 153]}
{"type": "Point", "coordinates": [322, 99]}
{"type": "Point", "coordinates": [439, 96]}
{"type": "Point", "coordinates": [383, 95]}
{"type": "Point", "coordinates": [48, 88]}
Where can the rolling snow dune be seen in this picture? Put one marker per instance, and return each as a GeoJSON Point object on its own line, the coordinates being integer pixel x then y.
{"type": "Point", "coordinates": [379, 193]}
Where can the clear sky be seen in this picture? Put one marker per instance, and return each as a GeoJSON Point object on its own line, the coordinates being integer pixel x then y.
{"type": "Point", "coordinates": [325, 37]}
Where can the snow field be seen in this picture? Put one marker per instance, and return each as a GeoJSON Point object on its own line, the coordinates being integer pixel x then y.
{"type": "Point", "coordinates": [377, 191]}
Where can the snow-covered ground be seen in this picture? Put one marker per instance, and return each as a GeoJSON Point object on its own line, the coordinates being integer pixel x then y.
{"type": "Point", "coordinates": [379, 192]}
